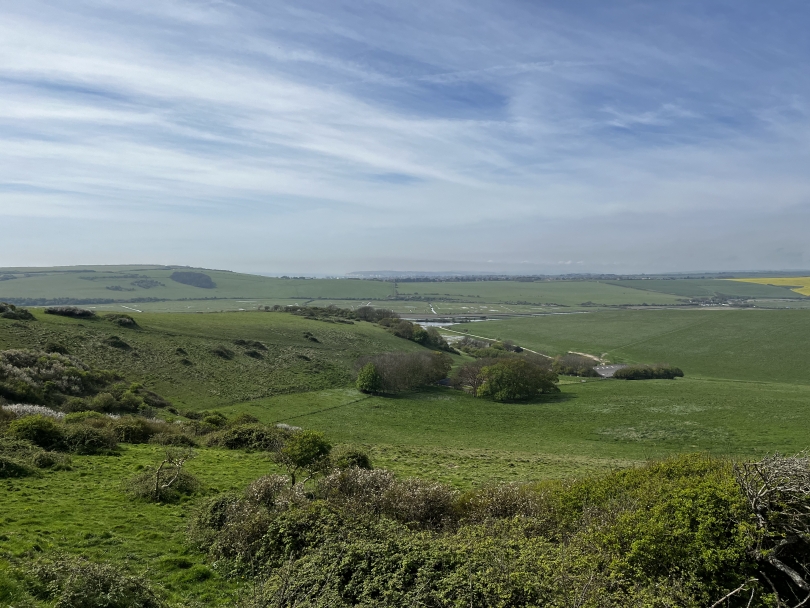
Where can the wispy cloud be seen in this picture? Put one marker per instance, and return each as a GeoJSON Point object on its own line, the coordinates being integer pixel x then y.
{"type": "Point", "coordinates": [328, 124]}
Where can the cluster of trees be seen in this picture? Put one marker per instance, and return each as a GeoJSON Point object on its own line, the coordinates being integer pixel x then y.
{"type": "Point", "coordinates": [507, 379]}
{"type": "Point", "coordinates": [686, 531]}
{"type": "Point", "coordinates": [397, 372]}
{"type": "Point", "coordinates": [430, 337]}
{"type": "Point", "coordinates": [195, 279]}
{"type": "Point", "coordinates": [70, 311]}
{"type": "Point", "coordinates": [660, 371]}
{"type": "Point", "coordinates": [575, 365]}
{"type": "Point", "coordinates": [487, 350]}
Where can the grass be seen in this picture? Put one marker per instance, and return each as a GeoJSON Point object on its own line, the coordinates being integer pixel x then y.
{"type": "Point", "coordinates": [85, 512]}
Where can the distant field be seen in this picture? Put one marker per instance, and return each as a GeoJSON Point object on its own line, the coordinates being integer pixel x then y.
{"type": "Point", "coordinates": [707, 288]}
{"type": "Point", "coordinates": [565, 293]}
{"type": "Point", "coordinates": [761, 345]}
{"type": "Point", "coordinates": [800, 285]}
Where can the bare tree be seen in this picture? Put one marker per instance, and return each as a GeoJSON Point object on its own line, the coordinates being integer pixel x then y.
{"type": "Point", "coordinates": [471, 374]}
{"type": "Point", "coordinates": [168, 472]}
{"type": "Point", "coordinates": [777, 490]}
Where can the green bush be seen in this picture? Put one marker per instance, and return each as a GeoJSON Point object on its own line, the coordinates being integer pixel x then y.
{"type": "Point", "coordinates": [173, 439]}
{"type": "Point", "coordinates": [11, 468]}
{"type": "Point", "coordinates": [254, 437]}
{"type": "Point", "coordinates": [130, 429]}
{"type": "Point", "coordinates": [347, 458]}
{"type": "Point", "coordinates": [83, 439]}
{"type": "Point", "coordinates": [369, 380]}
{"type": "Point", "coordinates": [39, 430]}
{"type": "Point", "coordinates": [166, 482]}
{"type": "Point", "coordinates": [71, 582]}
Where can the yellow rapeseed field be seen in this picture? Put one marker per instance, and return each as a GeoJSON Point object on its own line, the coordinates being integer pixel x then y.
{"type": "Point", "coordinates": [798, 284]}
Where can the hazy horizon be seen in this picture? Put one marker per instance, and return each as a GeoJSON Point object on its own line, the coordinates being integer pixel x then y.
{"type": "Point", "coordinates": [331, 137]}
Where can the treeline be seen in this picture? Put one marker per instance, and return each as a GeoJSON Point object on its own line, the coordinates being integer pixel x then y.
{"type": "Point", "coordinates": [660, 371]}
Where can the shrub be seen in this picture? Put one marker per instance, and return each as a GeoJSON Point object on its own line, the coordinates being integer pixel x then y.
{"type": "Point", "coordinates": [11, 468]}
{"type": "Point", "coordinates": [27, 455]}
{"type": "Point", "coordinates": [70, 311]}
{"type": "Point", "coordinates": [73, 582]}
{"type": "Point", "coordinates": [575, 365]}
{"type": "Point", "coordinates": [56, 347]}
{"type": "Point", "coordinates": [427, 504]}
{"type": "Point", "coordinates": [661, 371]}
{"type": "Point", "coordinates": [9, 311]}
{"type": "Point", "coordinates": [130, 429]}
{"type": "Point", "coordinates": [167, 482]}
{"type": "Point", "coordinates": [357, 489]}
{"type": "Point", "coordinates": [39, 430]}
{"type": "Point", "coordinates": [122, 320]}
{"type": "Point", "coordinates": [255, 437]}
{"type": "Point", "coordinates": [20, 410]}
{"type": "Point", "coordinates": [267, 490]}
{"type": "Point", "coordinates": [242, 419]}
{"type": "Point", "coordinates": [369, 380]}
{"type": "Point", "coordinates": [347, 458]}
{"type": "Point", "coordinates": [84, 439]}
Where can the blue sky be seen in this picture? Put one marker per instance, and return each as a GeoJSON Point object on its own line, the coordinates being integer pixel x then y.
{"type": "Point", "coordinates": [330, 136]}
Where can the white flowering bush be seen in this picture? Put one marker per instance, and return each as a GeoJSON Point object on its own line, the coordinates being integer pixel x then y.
{"type": "Point", "coordinates": [25, 409]}
{"type": "Point", "coordinates": [40, 377]}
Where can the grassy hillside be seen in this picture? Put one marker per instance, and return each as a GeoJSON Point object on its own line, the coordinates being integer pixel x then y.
{"type": "Point", "coordinates": [761, 345]}
{"type": "Point", "coordinates": [173, 354]}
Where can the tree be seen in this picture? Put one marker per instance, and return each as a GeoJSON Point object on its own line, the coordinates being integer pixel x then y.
{"type": "Point", "coordinates": [516, 379]}
{"type": "Point", "coordinates": [305, 451]}
{"type": "Point", "coordinates": [472, 375]}
{"type": "Point", "coordinates": [369, 380]}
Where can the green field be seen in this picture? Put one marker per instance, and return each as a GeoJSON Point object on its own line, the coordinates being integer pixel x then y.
{"type": "Point", "coordinates": [744, 345]}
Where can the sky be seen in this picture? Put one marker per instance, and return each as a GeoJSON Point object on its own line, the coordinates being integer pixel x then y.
{"type": "Point", "coordinates": [324, 137]}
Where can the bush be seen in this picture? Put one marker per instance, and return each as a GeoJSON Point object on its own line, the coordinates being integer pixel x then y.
{"type": "Point", "coordinates": [39, 430]}
{"type": "Point", "coordinates": [122, 320]}
{"type": "Point", "coordinates": [369, 380]}
{"type": "Point", "coordinates": [348, 458]}
{"type": "Point", "coordinates": [661, 371]}
{"type": "Point", "coordinates": [11, 468]}
{"type": "Point", "coordinates": [19, 453]}
{"type": "Point", "coordinates": [70, 311]}
{"type": "Point", "coordinates": [73, 582]}
{"type": "Point", "coordinates": [86, 440]}
{"type": "Point", "coordinates": [254, 437]}
{"type": "Point", "coordinates": [167, 482]}
{"type": "Point", "coordinates": [9, 311]}
{"type": "Point", "coordinates": [426, 504]}
{"type": "Point", "coordinates": [304, 451]}
{"type": "Point", "coordinates": [130, 429]}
